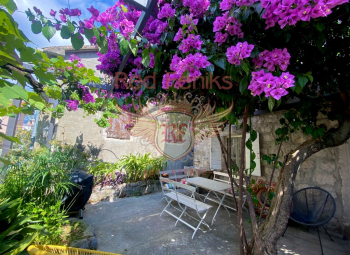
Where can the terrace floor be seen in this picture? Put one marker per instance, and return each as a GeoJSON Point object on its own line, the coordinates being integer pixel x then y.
{"type": "Point", "coordinates": [133, 226]}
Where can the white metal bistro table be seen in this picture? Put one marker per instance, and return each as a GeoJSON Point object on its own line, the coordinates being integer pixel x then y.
{"type": "Point", "coordinates": [214, 186]}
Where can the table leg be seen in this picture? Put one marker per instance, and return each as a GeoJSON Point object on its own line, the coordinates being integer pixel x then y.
{"type": "Point", "coordinates": [221, 201]}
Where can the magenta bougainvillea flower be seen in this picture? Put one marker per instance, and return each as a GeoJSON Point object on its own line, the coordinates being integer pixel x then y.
{"type": "Point", "coordinates": [220, 38]}
{"type": "Point", "coordinates": [190, 43]}
{"type": "Point", "coordinates": [270, 59]}
{"type": "Point", "coordinates": [94, 11]}
{"type": "Point", "coordinates": [52, 13]}
{"type": "Point", "coordinates": [273, 86]}
{"type": "Point", "coordinates": [238, 52]}
{"type": "Point", "coordinates": [230, 24]}
{"type": "Point", "coordinates": [72, 105]}
{"type": "Point", "coordinates": [197, 7]}
{"type": "Point", "coordinates": [192, 64]}
{"type": "Point", "coordinates": [166, 12]}
{"type": "Point", "coordinates": [281, 12]}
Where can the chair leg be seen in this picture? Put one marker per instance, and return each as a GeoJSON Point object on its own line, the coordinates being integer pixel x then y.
{"type": "Point", "coordinates": [200, 222]}
{"type": "Point", "coordinates": [319, 238]}
{"type": "Point", "coordinates": [327, 233]}
{"type": "Point", "coordinates": [165, 207]}
{"type": "Point", "coordinates": [285, 229]}
{"type": "Point", "coordinates": [180, 216]}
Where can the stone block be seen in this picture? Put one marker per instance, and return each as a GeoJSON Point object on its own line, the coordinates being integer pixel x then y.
{"type": "Point", "coordinates": [321, 179]}
{"type": "Point", "coordinates": [142, 183]}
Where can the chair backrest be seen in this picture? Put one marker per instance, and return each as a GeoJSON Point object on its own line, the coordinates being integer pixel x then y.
{"type": "Point", "coordinates": [312, 206]}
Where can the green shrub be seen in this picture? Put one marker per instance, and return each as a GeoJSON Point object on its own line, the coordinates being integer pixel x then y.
{"type": "Point", "coordinates": [41, 178]}
{"type": "Point", "coordinates": [52, 218]}
{"type": "Point", "coordinates": [142, 167]}
{"type": "Point", "coordinates": [17, 230]}
{"type": "Point", "coordinates": [105, 173]}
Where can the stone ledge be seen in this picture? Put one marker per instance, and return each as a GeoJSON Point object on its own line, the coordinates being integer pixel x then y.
{"type": "Point", "coordinates": [124, 190]}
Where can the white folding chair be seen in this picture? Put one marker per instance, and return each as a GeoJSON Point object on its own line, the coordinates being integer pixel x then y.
{"type": "Point", "coordinates": [184, 202]}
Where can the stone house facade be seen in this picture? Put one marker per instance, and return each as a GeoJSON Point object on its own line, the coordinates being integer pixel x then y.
{"type": "Point", "coordinates": [328, 169]}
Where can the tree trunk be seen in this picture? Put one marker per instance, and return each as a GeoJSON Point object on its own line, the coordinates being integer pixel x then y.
{"type": "Point", "coordinates": [272, 229]}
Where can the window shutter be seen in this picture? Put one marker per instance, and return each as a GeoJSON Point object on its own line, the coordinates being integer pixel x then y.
{"type": "Point", "coordinates": [215, 154]}
{"type": "Point", "coordinates": [256, 149]}
{"type": "Point", "coordinates": [117, 129]}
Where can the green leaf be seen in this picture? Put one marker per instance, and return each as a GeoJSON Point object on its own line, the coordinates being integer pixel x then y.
{"type": "Point", "coordinates": [302, 81]}
{"type": "Point", "coordinates": [65, 34]}
{"type": "Point", "coordinates": [14, 92]}
{"type": "Point", "coordinates": [158, 61]}
{"type": "Point", "coordinates": [320, 26]}
{"type": "Point", "coordinates": [10, 138]}
{"type": "Point", "coordinates": [271, 103]}
{"type": "Point", "coordinates": [89, 33]}
{"type": "Point", "coordinates": [36, 27]}
{"type": "Point", "coordinates": [253, 135]}
{"type": "Point", "coordinates": [133, 46]}
{"type": "Point", "coordinates": [103, 30]}
{"type": "Point", "coordinates": [54, 92]}
{"type": "Point", "coordinates": [124, 46]}
{"type": "Point", "coordinates": [4, 102]}
{"type": "Point", "coordinates": [77, 41]}
{"type": "Point", "coordinates": [243, 84]}
{"type": "Point", "coordinates": [36, 101]}
{"type": "Point", "coordinates": [9, 5]}
{"type": "Point", "coordinates": [11, 25]}
{"type": "Point", "coordinates": [171, 23]}
{"type": "Point", "coordinates": [308, 129]}
{"type": "Point", "coordinates": [220, 62]}
{"type": "Point", "coordinates": [48, 31]}
{"type": "Point", "coordinates": [84, 81]}
{"type": "Point", "coordinates": [145, 57]}
{"type": "Point", "coordinates": [5, 161]}
{"type": "Point", "coordinates": [124, 8]}
{"type": "Point", "coordinates": [102, 45]}
{"type": "Point", "coordinates": [245, 67]}
{"type": "Point", "coordinates": [71, 27]}
{"type": "Point", "coordinates": [249, 144]}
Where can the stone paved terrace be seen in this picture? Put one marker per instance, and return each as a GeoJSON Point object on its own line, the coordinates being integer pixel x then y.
{"type": "Point", "coordinates": [132, 226]}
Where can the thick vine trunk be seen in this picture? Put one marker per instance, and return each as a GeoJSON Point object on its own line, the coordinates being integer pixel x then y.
{"type": "Point", "coordinates": [272, 229]}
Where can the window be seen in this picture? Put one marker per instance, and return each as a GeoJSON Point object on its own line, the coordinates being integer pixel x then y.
{"type": "Point", "coordinates": [216, 162]}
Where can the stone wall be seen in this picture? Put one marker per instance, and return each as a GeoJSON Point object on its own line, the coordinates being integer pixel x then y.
{"type": "Point", "coordinates": [328, 169]}
{"type": "Point", "coordinates": [124, 190]}
{"type": "Point", "coordinates": [75, 128]}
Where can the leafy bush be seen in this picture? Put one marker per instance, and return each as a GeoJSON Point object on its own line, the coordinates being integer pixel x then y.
{"type": "Point", "coordinates": [106, 173]}
{"type": "Point", "coordinates": [41, 178]}
{"type": "Point", "coordinates": [52, 218]}
{"type": "Point", "coordinates": [17, 230]}
{"type": "Point", "coordinates": [142, 167]}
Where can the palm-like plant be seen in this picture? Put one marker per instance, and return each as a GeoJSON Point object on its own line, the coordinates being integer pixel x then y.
{"type": "Point", "coordinates": [17, 231]}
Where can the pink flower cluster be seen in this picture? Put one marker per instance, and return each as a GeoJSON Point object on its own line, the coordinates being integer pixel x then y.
{"type": "Point", "coordinates": [191, 42]}
{"type": "Point", "coordinates": [291, 11]}
{"type": "Point", "coordinates": [230, 24]}
{"type": "Point", "coordinates": [110, 61]}
{"type": "Point", "coordinates": [197, 7]}
{"type": "Point", "coordinates": [72, 105]}
{"type": "Point", "coordinates": [166, 12]}
{"type": "Point", "coordinates": [238, 52]}
{"type": "Point", "coordinates": [73, 57]}
{"type": "Point", "coordinates": [192, 63]}
{"type": "Point", "coordinates": [270, 59]}
{"type": "Point", "coordinates": [273, 86]}
{"type": "Point", "coordinates": [154, 29]}
{"type": "Point", "coordinates": [226, 5]}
